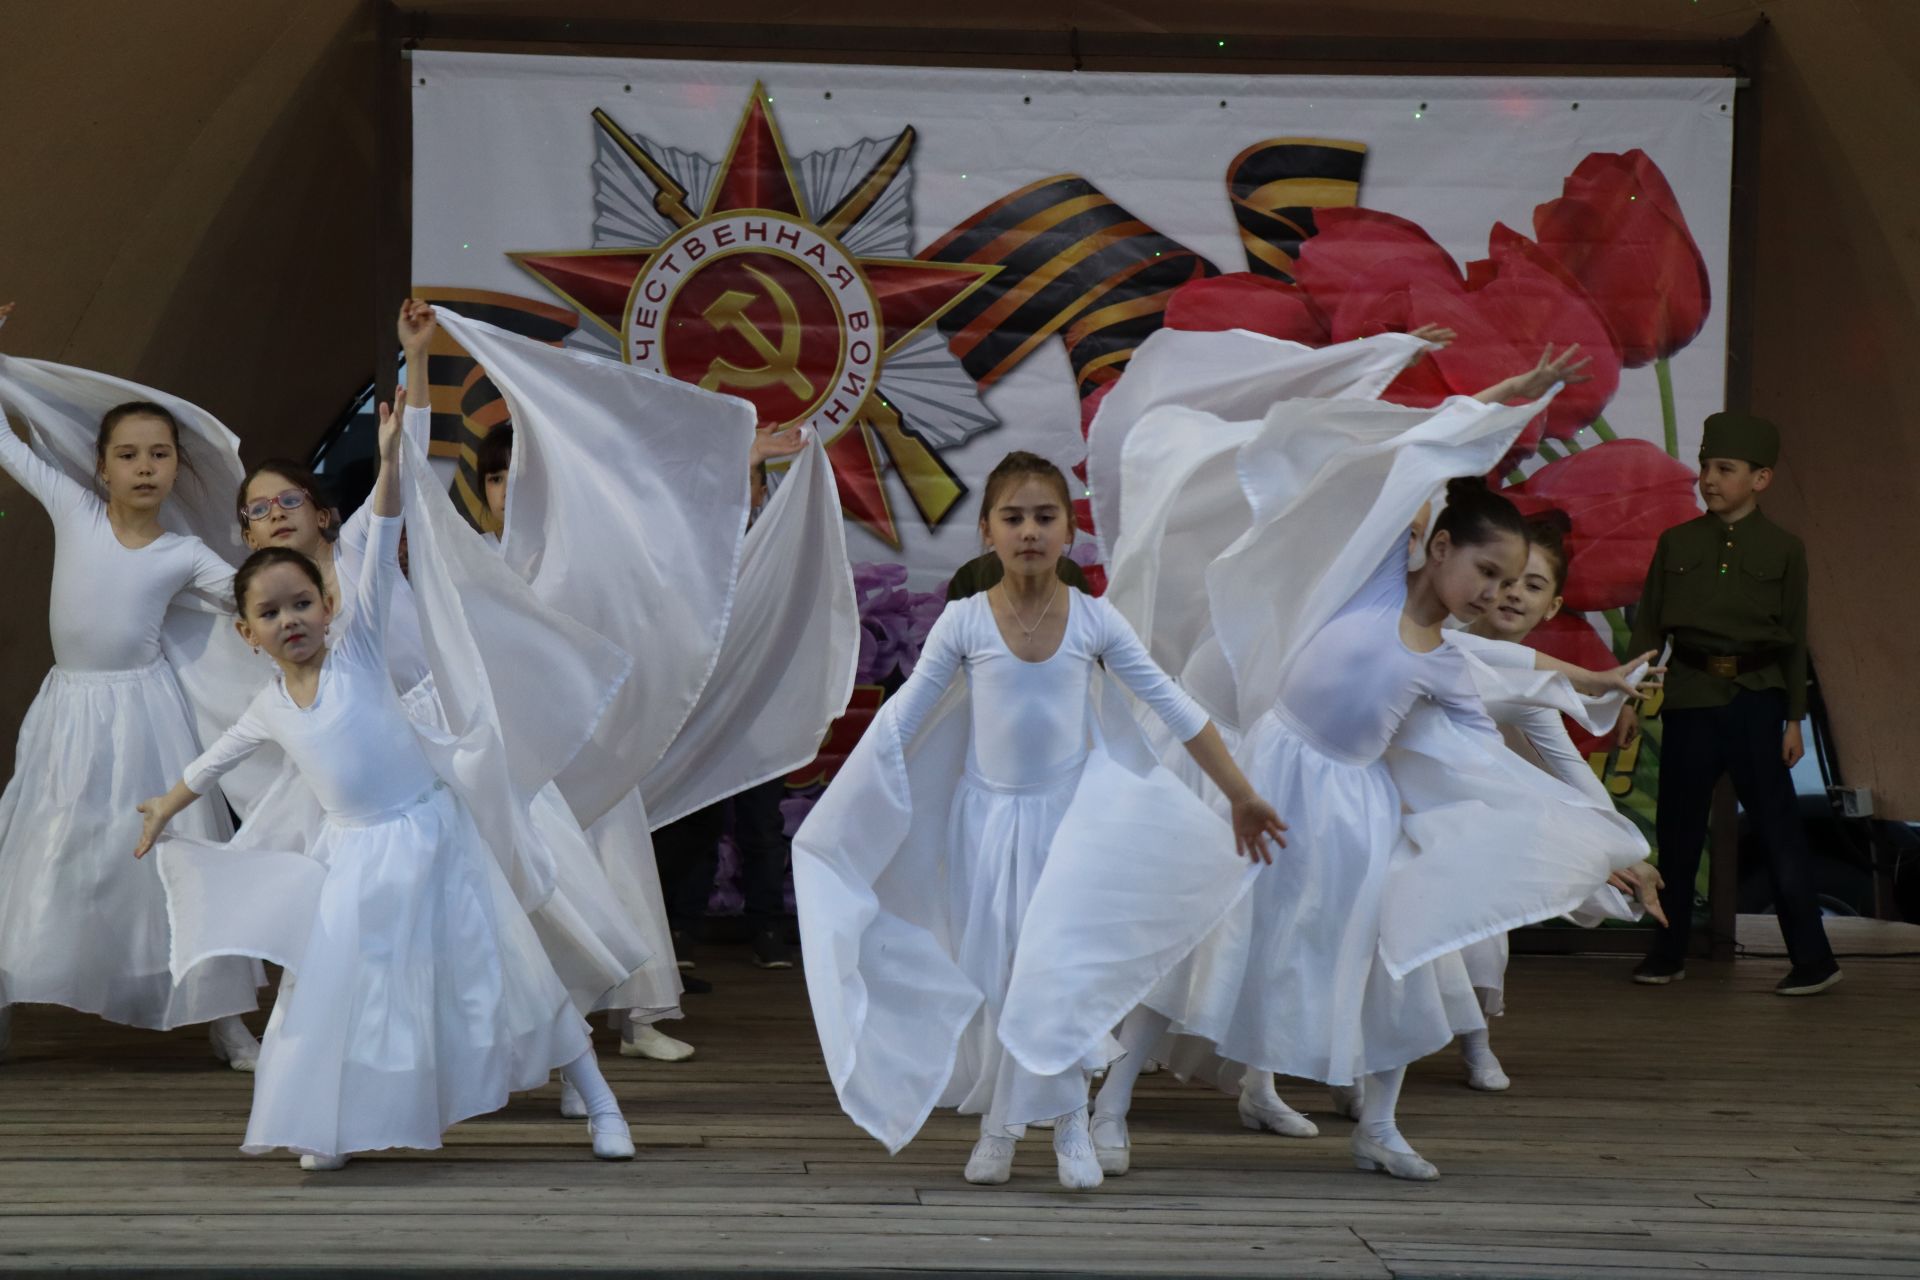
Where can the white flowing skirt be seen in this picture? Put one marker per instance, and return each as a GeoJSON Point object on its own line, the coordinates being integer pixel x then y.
{"type": "Point", "coordinates": [1486, 962]}
{"type": "Point", "coordinates": [623, 845]}
{"type": "Point", "coordinates": [1292, 982]}
{"type": "Point", "coordinates": [585, 925]}
{"type": "Point", "coordinates": [998, 839]}
{"type": "Point", "coordinates": [416, 995]}
{"type": "Point", "coordinates": [82, 923]}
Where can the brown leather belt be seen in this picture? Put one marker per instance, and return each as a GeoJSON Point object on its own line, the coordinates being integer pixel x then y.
{"type": "Point", "coordinates": [1726, 665]}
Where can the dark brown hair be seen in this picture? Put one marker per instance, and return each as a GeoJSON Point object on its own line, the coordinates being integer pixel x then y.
{"type": "Point", "coordinates": [1021, 465]}
{"type": "Point", "coordinates": [1475, 515]}
{"type": "Point", "coordinates": [135, 409]}
{"type": "Point", "coordinates": [495, 453]}
{"type": "Point", "coordinates": [265, 558]}
{"type": "Point", "coordinates": [1549, 531]}
{"type": "Point", "coordinates": [301, 477]}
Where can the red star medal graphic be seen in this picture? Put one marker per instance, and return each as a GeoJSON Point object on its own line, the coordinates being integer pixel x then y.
{"type": "Point", "coordinates": [757, 295]}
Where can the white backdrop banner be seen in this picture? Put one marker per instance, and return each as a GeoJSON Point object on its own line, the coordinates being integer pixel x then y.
{"type": "Point", "coordinates": [936, 266]}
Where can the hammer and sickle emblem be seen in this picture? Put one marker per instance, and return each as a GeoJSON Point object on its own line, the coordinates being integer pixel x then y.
{"type": "Point", "coordinates": [729, 311]}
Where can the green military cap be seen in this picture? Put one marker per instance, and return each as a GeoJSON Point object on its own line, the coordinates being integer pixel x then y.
{"type": "Point", "coordinates": [1741, 436]}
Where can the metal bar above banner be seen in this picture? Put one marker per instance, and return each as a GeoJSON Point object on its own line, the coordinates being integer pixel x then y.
{"type": "Point", "coordinates": [1077, 46]}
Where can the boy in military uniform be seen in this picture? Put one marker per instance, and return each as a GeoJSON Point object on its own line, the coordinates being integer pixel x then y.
{"type": "Point", "coordinates": [1729, 589]}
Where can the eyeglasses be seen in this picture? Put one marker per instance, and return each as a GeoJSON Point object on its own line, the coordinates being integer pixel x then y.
{"type": "Point", "coordinates": [286, 500]}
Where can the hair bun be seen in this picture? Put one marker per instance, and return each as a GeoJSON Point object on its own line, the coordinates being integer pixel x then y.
{"type": "Point", "coordinates": [1555, 519]}
{"type": "Point", "coordinates": [1466, 488]}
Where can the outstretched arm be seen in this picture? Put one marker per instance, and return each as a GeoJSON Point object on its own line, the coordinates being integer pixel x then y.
{"type": "Point", "coordinates": [1538, 380]}
{"type": "Point", "coordinates": [156, 813]}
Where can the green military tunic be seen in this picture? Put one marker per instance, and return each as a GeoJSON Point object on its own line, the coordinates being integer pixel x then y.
{"type": "Point", "coordinates": [1729, 591]}
{"type": "Point", "coordinates": [981, 572]}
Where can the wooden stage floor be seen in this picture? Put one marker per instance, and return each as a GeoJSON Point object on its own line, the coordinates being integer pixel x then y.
{"type": "Point", "coordinates": [1705, 1128]}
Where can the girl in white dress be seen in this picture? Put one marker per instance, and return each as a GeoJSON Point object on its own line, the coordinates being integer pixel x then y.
{"type": "Point", "coordinates": [80, 925]}
{"type": "Point", "coordinates": [912, 937]}
{"type": "Point", "coordinates": [593, 941]}
{"type": "Point", "coordinates": [1343, 963]}
{"type": "Point", "coordinates": [417, 994]}
{"type": "Point", "coordinates": [1536, 730]}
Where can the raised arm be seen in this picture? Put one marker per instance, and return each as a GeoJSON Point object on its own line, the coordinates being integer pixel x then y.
{"type": "Point", "coordinates": [1538, 380]}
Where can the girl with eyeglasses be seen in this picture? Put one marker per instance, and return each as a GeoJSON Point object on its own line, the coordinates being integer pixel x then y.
{"type": "Point", "coordinates": [81, 925]}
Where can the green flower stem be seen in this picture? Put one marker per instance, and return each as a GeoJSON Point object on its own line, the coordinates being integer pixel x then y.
{"type": "Point", "coordinates": [1570, 444]}
{"type": "Point", "coordinates": [1667, 417]}
{"type": "Point", "coordinates": [1548, 452]}
{"type": "Point", "coordinates": [1622, 633]}
{"type": "Point", "coordinates": [1604, 431]}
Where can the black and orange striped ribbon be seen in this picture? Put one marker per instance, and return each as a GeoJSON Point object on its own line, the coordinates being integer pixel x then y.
{"type": "Point", "coordinates": [1276, 185]}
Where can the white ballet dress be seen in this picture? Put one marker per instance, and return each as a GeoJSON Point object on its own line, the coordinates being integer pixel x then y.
{"type": "Point", "coordinates": [938, 930]}
{"type": "Point", "coordinates": [417, 993]}
{"type": "Point", "coordinates": [1313, 998]}
{"type": "Point", "coordinates": [589, 928]}
{"type": "Point", "coordinates": [82, 924]}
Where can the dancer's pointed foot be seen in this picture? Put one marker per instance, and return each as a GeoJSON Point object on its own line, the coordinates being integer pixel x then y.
{"type": "Point", "coordinates": [323, 1164]}
{"type": "Point", "coordinates": [1347, 1099]}
{"type": "Point", "coordinates": [1374, 1156]}
{"type": "Point", "coordinates": [612, 1139]}
{"type": "Point", "coordinates": [644, 1040]}
{"type": "Point", "coordinates": [1111, 1145]}
{"type": "Point", "coordinates": [1487, 1076]}
{"type": "Point", "coordinates": [1073, 1151]}
{"type": "Point", "coordinates": [233, 1044]}
{"type": "Point", "coordinates": [1483, 1069]}
{"type": "Point", "coordinates": [572, 1105]}
{"type": "Point", "coordinates": [992, 1160]}
{"type": "Point", "coordinates": [1263, 1110]}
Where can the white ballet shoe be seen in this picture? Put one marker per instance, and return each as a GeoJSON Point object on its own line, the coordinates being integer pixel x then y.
{"type": "Point", "coordinates": [991, 1162]}
{"type": "Point", "coordinates": [643, 1040]}
{"type": "Point", "coordinates": [572, 1105]}
{"type": "Point", "coordinates": [1073, 1152]}
{"type": "Point", "coordinates": [1374, 1158]}
{"type": "Point", "coordinates": [612, 1139]}
{"type": "Point", "coordinates": [1261, 1114]}
{"type": "Point", "coordinates": [1347, 1099]}
{"type": "Point", "coordinates": [1112, 1146]}
{"type": "Point", "coordinates": [323, 1164]}
{"type": "Point", "coordinates": [1487, 1077]}
{"type": "Point", "coordinates": [233, 1044]}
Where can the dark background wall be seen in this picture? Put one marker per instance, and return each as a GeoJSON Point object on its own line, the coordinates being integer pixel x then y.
{"type": "Point", "coordinates": [191, 194]}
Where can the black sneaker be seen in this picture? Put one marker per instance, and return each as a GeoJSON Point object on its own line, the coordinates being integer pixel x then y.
{"type": "Point", "coordinates": [1655, 972]}
{"type": "Point", "coordinates": [1808, 979]}
{"type": "Point", "coordinates": [770, 951]}
{"type": "Point", "coordinates": [694, 986]}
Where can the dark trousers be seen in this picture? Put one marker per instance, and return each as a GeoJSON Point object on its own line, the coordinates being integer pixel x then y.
{"type": "Point", "coordinates": [1741, 739]}
{"type": "Point", "coordinates": [759, 832]}
{"type": "Point", "coordinates": [688, 853]}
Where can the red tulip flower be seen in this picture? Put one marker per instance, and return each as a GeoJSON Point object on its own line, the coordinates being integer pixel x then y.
{"type": "Point", "coordinates": [1372, 273]}
{"type": "Point", "coordinates": [1621, 496]}
{"type": "Point", "coordinates": [1242, 300]}
{"type": "Point", "coordinates": [1618, 230]}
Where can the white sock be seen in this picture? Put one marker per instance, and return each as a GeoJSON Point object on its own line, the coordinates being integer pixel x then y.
{"type": "Point", "coordinates": [1377, 1106]}
{"type": "Point", "coordinates": [1257, 1087]}
{"type": "Point", "coordinates": [583, 1073]}
{"type": "Point", "coordinates": [1476, 1051]}
{"type": "Point", "coordinates": [1139, 1032]}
